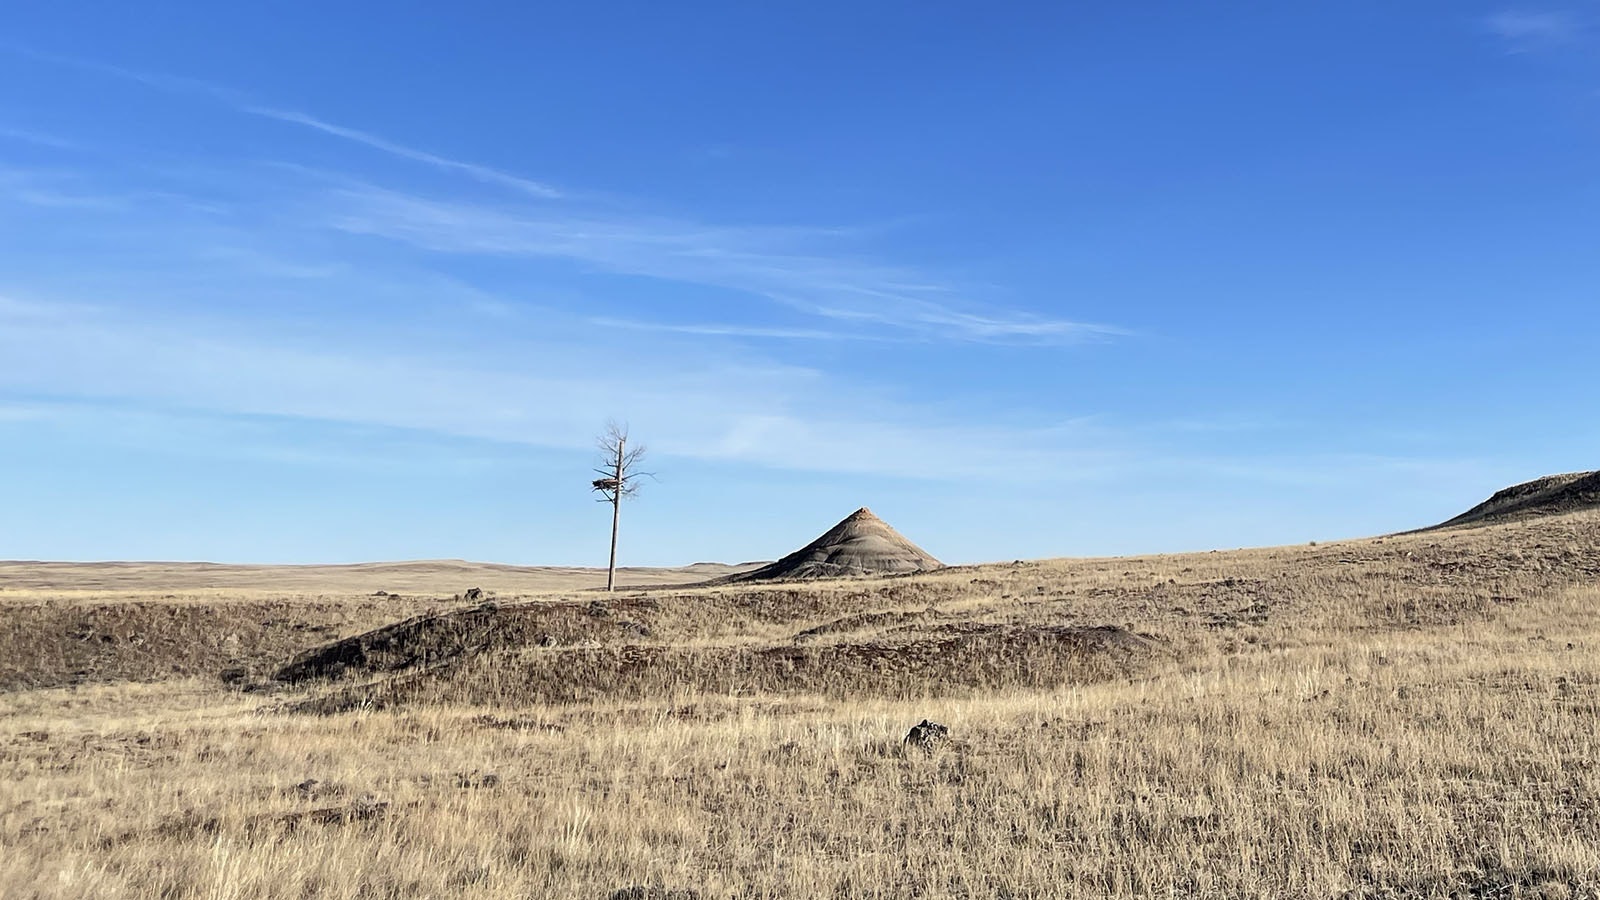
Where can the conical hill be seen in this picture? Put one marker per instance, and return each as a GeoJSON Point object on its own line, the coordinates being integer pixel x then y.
{"type": "Point", "coordinates": [862, 544]}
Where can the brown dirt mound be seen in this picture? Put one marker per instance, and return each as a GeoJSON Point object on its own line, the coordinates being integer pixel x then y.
{"type": "Point", "coordinates": [1551, 495]}
{"type": "Point", "coordinates": [450, 636]}
{"type": "Point", "coordinates": [862, 544]}
{"type": "Point", "coordinates": [53, 643]}
{"type": "Point", "coordinates": [983, 657]}
{"type": "Point", "coordinates": [441, 638]}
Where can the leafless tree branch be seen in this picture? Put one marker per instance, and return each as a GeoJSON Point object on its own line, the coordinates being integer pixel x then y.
{"type": "Point", "coordinates": [619, 479]}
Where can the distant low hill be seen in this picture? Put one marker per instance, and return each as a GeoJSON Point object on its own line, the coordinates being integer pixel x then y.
{"type": "Point", "coordinates": [437, 577]}
{"type": "Point", "coordinates": [1550, 495]}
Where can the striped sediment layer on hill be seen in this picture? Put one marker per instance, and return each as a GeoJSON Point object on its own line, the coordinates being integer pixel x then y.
{"type": "Point", "coordinates": [862, 544]}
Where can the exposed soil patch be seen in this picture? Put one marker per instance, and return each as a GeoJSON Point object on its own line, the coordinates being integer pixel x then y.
{"type": "Point", "coordinates": [442, 638]}
{"type": "Point", "coordinates": [984, 656]}
{"type": "Point", "coordinates": [48, 643]}
{"type": "Point", "coordinates": [450, 637]}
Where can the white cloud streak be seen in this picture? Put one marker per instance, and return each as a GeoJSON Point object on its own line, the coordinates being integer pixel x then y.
{"type": "Point", "coordinates": [92, 364]}
{"type": "Point", "coordinates": [781, 265]}
{"type": "Point", "coordinates": [171, 84]}
{"type": "Point", "coordinates": [39, 139]}
{"type": "Point", "coordinates": [706, 329]}
{"type": "Point", "coordinates": [241, 102]}
{"type": "Point", "coordinates": [752, 260]}
{"type": "Point", "coordinates": [1526, 31]}
{"type": "Point", "coordinates": [473, 170]}
{"type": "Point", "coordinates": [770, 416]}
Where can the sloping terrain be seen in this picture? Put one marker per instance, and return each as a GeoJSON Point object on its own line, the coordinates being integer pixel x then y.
{"type": "Point", "coordinates": [861, 544]}
{"type": "Point", "coordinates": [1228, 599]}
{"type": "Point", "coordinates": [1551, 495]}
{"type": "Point", "coordinates": [963, 628]}
{"type": "Point", "coordinates": [1402, 716]}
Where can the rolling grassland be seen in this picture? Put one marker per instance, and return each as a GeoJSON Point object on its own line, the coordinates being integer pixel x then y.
{"type": "Point", "coordinates": [1410, 716]}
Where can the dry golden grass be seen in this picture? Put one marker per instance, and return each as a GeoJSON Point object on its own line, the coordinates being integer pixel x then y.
{"type": "Point", "coordinates": [438, 577]}
{"type": "Point", "coordinates": [1414, 717]}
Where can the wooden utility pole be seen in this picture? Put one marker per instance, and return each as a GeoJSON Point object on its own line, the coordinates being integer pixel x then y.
{"type": "Point", "coordinates": [619, 472]}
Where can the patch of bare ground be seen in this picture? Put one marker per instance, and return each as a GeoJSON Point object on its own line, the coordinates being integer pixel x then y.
{"type": "Point", "coordinates": [982, 657]}
{"type": "Point", "coordinates": [674, 618]}
{"type": "Point", "coordinates": [48, 642]}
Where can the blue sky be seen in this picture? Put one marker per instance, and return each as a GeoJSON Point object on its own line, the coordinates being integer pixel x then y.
{"type": "Point", "coordinates": [293, 283]}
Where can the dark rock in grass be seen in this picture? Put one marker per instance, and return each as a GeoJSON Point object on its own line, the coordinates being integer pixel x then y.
{"type": "Point", "coordinates": [640, 892]}
{"type": "Point", "coordinates": [926, 736]}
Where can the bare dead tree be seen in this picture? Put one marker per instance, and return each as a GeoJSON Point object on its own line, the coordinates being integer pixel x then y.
{"type": "Point", "coordinates": [619, 474]}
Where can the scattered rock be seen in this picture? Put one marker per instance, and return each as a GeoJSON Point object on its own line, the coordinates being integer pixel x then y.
{"type": "Point", "coordinates": [471, 780]}
{"type": "Point", "coordinates": [364, 809]}
{"type": "Point", "coordinates": [640, 892]}
{"type": "Point", "coordinates": [926, 736]}
{"type": "Point", "coordinates": [191, 825]}
{"type": "Point", "coordinates": [488, 720]}
{"type": "Point", "coordinates": [316, 789]}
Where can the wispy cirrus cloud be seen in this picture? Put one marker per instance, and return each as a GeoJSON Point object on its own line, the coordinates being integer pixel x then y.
{"type": "Point", "coordinates": [242, 102]}
{"type": "Point", "coordinates": [804, 269]}
{"type": "Point", "coordinates": [52, 189]}
{"type": "Point", "coordinates": [169, 83]}
{"type": "Point", "coordinates": [38, 139]}
{"type": "Point", "coordinates": [1528, 30]}
{"type": "Point", "coordinates": [780, 265]}
{"type": "Point", "coordinates": [788, 418]}
{"type": "Point", "coordinates": [708, 329]}
{"type": "Point", "coordinates": [731, 411]}
{"type": "Point", "coordinates": [473, 170]}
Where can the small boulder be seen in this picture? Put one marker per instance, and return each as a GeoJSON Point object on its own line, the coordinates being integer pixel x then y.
{"type": "Point", "coordinates": [926, 736]}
